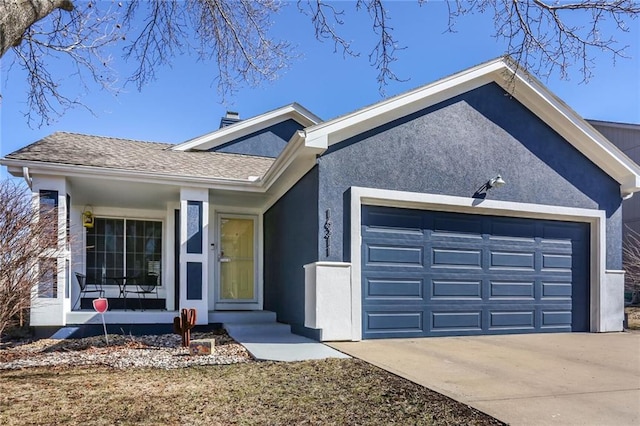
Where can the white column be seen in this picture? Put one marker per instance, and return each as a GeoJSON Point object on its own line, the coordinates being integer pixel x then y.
{"type": "Point", "coordinates": [50, 309]}
{"type": "Point", "coordinates": [194, 241]}
{"type": "Point", "coordinates": [612, 301]}
{"type": "Point", "coordinates": [328, 299]}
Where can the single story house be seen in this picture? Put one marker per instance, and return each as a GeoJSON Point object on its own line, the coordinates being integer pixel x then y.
{"type": "Point", "coordinates": [478, 204]}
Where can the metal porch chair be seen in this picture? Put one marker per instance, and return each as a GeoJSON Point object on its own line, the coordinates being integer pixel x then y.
{"type": "Point", "coordinates": [85, 288]}
{"type": "Point", "coordinates": [144, 285]}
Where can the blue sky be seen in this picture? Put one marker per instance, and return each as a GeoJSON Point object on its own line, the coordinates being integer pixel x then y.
{"type": "Point", "coordinates": [183, 102]}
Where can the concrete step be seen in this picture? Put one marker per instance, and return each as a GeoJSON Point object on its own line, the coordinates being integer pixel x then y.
{"type": "Point", "coordinates": [274, 342]}
{"type": "Point", "coordinates": [257, 329]}
{"type": "Point", "coordinates": [269, 340]}
{"type": "Point", "coordinates": [242, 317]}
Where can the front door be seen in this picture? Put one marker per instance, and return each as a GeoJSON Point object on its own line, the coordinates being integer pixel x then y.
{"type": "Point", "coordinates": [236, 259]}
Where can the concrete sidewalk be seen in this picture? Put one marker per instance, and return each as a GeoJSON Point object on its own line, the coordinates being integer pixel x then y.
{"type": "Point", "coordinates": [275, 342]}
{"type": "Point", "coordinates": [535, 379]}
{"type": "Point", "coordinates": [268, 340]}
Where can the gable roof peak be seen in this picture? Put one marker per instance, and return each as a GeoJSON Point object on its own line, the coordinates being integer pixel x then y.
{"type": "Point", "coordinates": [518, 83]}
{"type": "Point", "coordinates": [247, 126]}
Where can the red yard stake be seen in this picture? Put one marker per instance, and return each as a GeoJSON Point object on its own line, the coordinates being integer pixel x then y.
{"type": "Point", "coordinates": [101, 305]}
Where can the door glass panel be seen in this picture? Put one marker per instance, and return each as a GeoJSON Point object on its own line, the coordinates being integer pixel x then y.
{"type": "Point", "coordinates": [236, 259]}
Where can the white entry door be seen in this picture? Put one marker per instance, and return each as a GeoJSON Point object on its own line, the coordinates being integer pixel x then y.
{"type": "Point", "coordinates": [236, 255]}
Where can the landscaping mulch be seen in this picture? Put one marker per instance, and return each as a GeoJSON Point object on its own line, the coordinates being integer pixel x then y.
{"type": "Point", "coordinates": [123, 351]}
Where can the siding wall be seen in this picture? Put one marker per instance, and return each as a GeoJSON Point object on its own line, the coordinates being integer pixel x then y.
{"type": "Point", "coordinates": [627, 138]}
{"type": "Point", "coordinates": [290, 242]}
{"type": "Point", "coordinates": [268, 142]}
{"type": "Point", "coordinates": [454, 147]}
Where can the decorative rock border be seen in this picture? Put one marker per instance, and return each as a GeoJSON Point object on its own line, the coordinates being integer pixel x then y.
{"type": "Point", "coordinates": [161, 351]}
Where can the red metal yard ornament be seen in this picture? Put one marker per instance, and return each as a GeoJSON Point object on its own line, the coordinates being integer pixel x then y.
{"type": "Point", "coordinates": [101, 305]}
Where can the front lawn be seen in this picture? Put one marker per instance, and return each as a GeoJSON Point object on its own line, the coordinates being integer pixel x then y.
{"type": "Point", "coordinates": [332, 391]}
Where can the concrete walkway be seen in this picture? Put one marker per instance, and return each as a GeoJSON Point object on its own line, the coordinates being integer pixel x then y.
{"type": "Point", "coordinates": [268, 340]}
{"type": "Point", "coordinates": [275, 342]}
{"type": "Point", "coordinates": [536, 379]}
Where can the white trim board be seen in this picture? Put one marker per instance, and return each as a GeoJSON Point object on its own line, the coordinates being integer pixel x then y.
{"type": "Point", "coordinates": [379, 197]}
{"type": "Point", "coordinates": [246, 127]}
{"type": "Point", "coordinates": [517, 83]}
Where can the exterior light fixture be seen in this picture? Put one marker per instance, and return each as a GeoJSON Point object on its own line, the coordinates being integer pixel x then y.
{"type": "Point", "coordinates": [87, 217]}
{"type": "Point", "coordinates": [495, 182]}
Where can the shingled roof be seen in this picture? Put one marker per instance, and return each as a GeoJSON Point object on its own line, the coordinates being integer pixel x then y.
{"type": "Point", "coordinates": [122, 154]}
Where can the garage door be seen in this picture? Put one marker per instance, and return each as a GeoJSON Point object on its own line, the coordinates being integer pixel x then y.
{"type": "Point", "coordinates": [444, 274]}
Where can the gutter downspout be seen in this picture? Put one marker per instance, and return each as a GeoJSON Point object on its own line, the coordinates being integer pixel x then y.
{"type": "Point", "coordinates": [27, 177]}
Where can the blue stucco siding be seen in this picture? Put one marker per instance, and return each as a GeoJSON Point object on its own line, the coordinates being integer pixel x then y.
{"type": "Point", "coordinates": [267, 142]}
{"type": "Point", "coordinates": [453, 148]}
{"type": "Point", "coordinates": [290, 242]}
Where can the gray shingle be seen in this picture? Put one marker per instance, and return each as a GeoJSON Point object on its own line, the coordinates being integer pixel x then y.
{"type": "Point", "coordinates": [122, 154]}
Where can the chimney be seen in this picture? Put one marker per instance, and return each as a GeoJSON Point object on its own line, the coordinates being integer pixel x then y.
{"type": "Point", "coordinates": [230, 118]}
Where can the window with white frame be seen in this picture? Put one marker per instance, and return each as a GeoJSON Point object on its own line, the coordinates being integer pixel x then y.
{"type": "Point", "coordinates": [48, 214]}
{"type": "Point", "coordinates": [123, 247]}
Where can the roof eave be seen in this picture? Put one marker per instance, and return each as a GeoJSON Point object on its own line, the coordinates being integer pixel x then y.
{"type": "Point", "coordinates": [16, 167]}
{"type": "Point", "coordinates": [516, 81]}
{"type": "Point", "coordinates": [572, 127]}
{"type": "Point", "coordinates": [341, 128]}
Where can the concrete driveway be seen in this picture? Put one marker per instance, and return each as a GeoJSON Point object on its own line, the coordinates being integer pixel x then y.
{"type": "Point", "coordinates": [535, 379]}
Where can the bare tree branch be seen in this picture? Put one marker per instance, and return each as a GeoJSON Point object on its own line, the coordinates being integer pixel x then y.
{"type": "Point", "coordinates": [26, 238]}
{"type": "Point", "coordinates": [234, 34]}
{"type": "Point", "coordinates": [156, 42]}
{"type": "Point", "coordinates": [384, 54]}
{"type": "Point", "coordinates": [324, 18]}
{"type": "Point", "coordinates": [543, 36]}
{"type": "Point", "coordinates": [79, 38]}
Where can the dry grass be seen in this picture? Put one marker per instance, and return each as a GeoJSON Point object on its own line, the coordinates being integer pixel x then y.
{"type": "Point", "coordinates": [312, 392]}
{"type": "Point", "coordinates": [633, 317]}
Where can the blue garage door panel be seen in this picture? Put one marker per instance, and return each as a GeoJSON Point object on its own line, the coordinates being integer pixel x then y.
{"type": "Point", "coordinates": [393, 254]}
{"type": "Point", "coordinates": [509, 319]}
{"type": "Point", "coordinates": [552, 319]}
{"type": "Point", "coordinates": [405, 324]}
{"type": "Point", "coordinates": [442, 274]}
{"type": "Point", "coordinates": [450, 257]}
{"type": "Point", "coordinates": [456, 289]}
{"type": "Point", "coordinates": [456, 321]}
{"type": "Point", "coordinates": [386, 288]}
{"type": "Point", "coordinates": [512, 290]}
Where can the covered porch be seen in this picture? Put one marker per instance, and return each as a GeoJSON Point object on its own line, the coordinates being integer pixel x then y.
{"type": "Point", "coordinates": [152, 248]}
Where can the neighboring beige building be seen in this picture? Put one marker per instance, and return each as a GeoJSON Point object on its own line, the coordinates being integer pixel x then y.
{"type": "Point", "coordinates": [626, 137]}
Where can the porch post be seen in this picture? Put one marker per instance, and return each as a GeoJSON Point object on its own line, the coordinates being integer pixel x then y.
{"type": "Point", "coordinates": [51, 296]}
{"type": "Point", "coordinates": [194, 241]}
